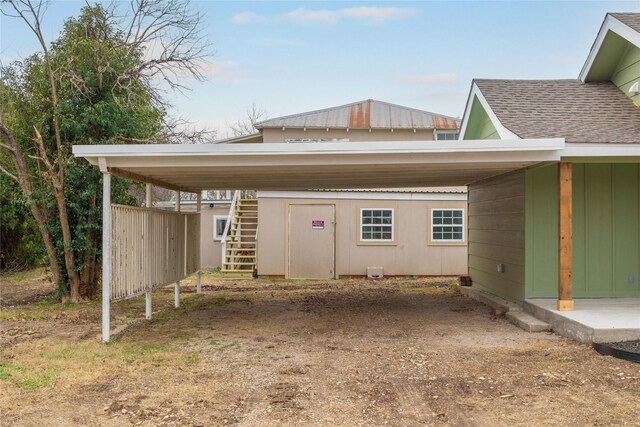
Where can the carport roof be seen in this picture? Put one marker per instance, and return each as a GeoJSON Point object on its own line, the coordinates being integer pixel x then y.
{"type": "Point", "coordinates": [319, 166]}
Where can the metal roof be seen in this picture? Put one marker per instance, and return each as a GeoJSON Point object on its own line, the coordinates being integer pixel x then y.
{"type": "Point", "coordinates": [425, 190]}
{"type": "Point", "coordinates": [368, 114]}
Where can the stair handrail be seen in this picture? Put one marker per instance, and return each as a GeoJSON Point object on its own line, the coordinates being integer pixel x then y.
{"type": "Point", "coordinates": [227, 226]}
{"type": "Point", "coordinates": [255, 254]}
{"type": "Point", "coordinates": [232, 211]}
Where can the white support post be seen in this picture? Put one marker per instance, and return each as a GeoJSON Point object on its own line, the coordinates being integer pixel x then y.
{"type": "Point", "coordinates": [148, 306]}
{"type": "Point", "coordinates": [176, 294]}
{"type": "Point", "coordinates": [106, 255]}
{"type": "Point", "coordinates": [198, 208]}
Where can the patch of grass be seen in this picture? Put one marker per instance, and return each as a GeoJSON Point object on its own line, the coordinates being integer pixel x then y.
{"type": "Point", "coordinates": [69, 304]}
{"type": "Point", "coordinates": [25, 378]}
{"type": "Point", "coordinates": [220, 347]}
{"type": "Point", "coordinates": [220, 301]}
{"type": "Point", "coordinates": [45, 303]}
{"type": "Point", "coordinates": [192, 359]}
{"type": "Point", "coordinates": [181, 336]}
{"type": "Point", "coordinates": [20, 276]}
{"type": "Point", "coordinates": [26, 315]}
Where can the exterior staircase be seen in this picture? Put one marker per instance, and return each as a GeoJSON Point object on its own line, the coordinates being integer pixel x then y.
{"type": "Point", "coordinates": [241, 244]}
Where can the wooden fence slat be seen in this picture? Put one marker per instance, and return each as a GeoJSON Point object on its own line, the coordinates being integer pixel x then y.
{"type": "Point", "coordinates": [151, 248]}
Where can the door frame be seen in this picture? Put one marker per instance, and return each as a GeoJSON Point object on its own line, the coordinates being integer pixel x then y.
{"type": "Point", "coordinates": [287, 216]}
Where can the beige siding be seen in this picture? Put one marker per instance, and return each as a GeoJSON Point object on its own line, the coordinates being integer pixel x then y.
{"type": "Point", "coordinates": [496, 234]}
{"type": "Point", "coordinates": [210, 249]}
{"type": "Point", "coordinates": [410, 254]}
{"type": "Point", "coordinates": [354, 135]}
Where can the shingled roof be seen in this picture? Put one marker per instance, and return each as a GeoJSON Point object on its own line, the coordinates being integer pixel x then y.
{"type": "Point", "coordinates": [631, 20]}
{"type": "Point", "coordinates": [570, 109]}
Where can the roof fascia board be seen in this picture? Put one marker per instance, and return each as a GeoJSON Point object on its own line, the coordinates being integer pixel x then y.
{"type": "Point", "coordinates": [502, 130]}
{"type": "Point", "coordinates": [467, 111]}
{"type": "Point", "coordinates": [477, 93]}
{"type": "Point", "coordinates": [611, 151]}
{"type": "Point", "coordinates": [614, 25]}
{"type": "Point", "coordinates": [327, 148]}
{"type": "Point", "coordinates": [361, 195]}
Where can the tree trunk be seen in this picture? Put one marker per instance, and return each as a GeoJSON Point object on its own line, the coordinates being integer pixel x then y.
{"type": "Point", "coordinates": [22, 177]}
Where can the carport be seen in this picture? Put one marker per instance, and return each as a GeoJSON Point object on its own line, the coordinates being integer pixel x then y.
{"type": "Point", "coordinates": [145, 248]}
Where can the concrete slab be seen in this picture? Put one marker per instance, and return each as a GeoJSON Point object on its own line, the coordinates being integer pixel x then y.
{"type": "Point", "coordinates": [489, 299]}
{"type": "Point", "coordinates": [527, 322]}
{"type": "Point", "coordinates": [593, 320]}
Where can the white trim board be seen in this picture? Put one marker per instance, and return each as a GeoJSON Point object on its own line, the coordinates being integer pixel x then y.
{"type": "Point", "coordinates": [360, 195]}
{"type": "Point", "coordinates": [614, 25]}
{"type": "Point", "coordinates": [503, 132]}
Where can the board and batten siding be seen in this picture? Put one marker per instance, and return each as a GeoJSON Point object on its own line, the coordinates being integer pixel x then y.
{"type": "Point", "coordinates": [606, 230]}
{"type": "Point", "coordinates": [496, 235]}
{"type": "Point", "coordinates": [480, 125]}
{"type": "Point", "coordinates": [627, 72]}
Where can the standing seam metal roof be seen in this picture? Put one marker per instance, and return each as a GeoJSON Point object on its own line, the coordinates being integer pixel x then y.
{"type": "Point", "coordinates": [364, 115]}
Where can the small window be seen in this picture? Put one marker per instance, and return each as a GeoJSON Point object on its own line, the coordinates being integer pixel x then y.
{"type": "Point", "coordinates": [447, 225]}
{"type": "Point", "coordinates": [376, 225]}
{"type": "Point", "coordinates": [219, 223]}
{"type": "Point", "coordinates": [446, 136]}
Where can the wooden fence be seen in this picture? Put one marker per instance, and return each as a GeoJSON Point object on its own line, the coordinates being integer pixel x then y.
{"type": "Point", "coordinates": [151, 248]}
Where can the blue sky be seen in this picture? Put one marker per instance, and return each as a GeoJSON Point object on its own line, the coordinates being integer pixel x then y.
{"type": "Point", "coordinates": [290, 57]}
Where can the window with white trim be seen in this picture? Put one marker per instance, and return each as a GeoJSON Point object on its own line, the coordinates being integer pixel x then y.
{"type": "Point", "coordinates": [447, 225]}
{"type": "Point", "coordinates": [376, 225]}
{"type": "Point", "coordinates": [219, 223]}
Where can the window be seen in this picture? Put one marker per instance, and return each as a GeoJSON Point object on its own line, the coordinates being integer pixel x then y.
{"type": "Point", "coordinates": [447, 225]}
{"type": "Point", "coordinates": [446, 136]}
{"type": "Point", "coordinates": [376, 225]}
{"type": "Point", "coordinates": [219, 223]}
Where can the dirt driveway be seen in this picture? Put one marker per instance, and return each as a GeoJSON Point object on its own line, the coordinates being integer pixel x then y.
{"type": "Point", "coordinates": [393, 352]}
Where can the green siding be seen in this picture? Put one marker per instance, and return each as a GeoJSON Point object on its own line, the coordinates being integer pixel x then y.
{"type": "Point", "coordinates": [496, 234]}
{"type": "Point", "coordinates": [627, 72]}
{"type": "Point", "coordinates": [541, 231]}
{"type": "Point", "coordinates": [479, 125]}
{"type": "Point", "coordinates": [606, 230]}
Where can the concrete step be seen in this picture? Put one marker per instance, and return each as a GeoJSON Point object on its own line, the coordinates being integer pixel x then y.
{"type": "Point", "coordinates": [527, 322]}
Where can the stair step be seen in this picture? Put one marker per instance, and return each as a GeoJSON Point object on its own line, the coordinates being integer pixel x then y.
{"type": "Point", "coordinates": [527, 322]}
{"type": "Point", "coordinates": [241, 243]}
{"type": "Point", "coordinates": [241, 256]}
{"type": "Point", "coordinates": [239, 263]}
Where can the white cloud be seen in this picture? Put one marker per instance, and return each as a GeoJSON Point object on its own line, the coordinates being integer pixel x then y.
{"type": "Point", "coordinates": [307, 16]}
{"type": "Point", "coordinates": [379, 14]}
{"type": "Point", "coordinates": [429, 79]}
{"type": "Point", "coordinates": [304, 16]}
{"type": "Point", "coordinates": [248, 18]}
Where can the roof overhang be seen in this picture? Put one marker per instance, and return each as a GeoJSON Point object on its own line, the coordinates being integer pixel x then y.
{"type": "Point", "coordinates": [610, 32]}
{"type": "Point", "coordinates": [476, 93]}
{"type": "Point", "coordinates": [319, 166]}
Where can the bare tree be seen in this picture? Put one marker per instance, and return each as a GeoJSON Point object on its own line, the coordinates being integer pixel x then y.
{"type": "Point", "coordinates": [246, 125]}
{"type": "Point", "coordinates": [168, 33]}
